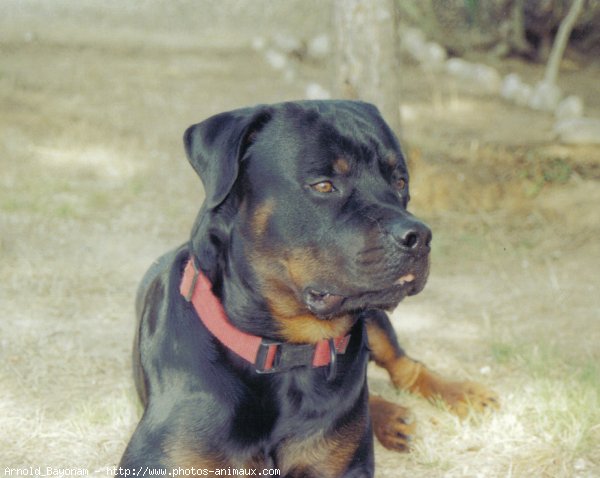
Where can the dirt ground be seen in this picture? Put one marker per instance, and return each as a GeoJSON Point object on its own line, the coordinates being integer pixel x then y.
{"type": "Point", "coordinates": [94, 185]}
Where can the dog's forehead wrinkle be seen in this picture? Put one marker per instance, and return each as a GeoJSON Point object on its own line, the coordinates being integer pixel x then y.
{"type": "Point", "coordinates": [329, 145]}
{"type": "Point", "coordinates": [336, 161]}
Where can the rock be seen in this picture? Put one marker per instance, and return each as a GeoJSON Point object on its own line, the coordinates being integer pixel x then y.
{"type": "Point", "coordinates": [545, 96]}
{"type": "Point", "coordinates": [413, 41]}
{"type": "Point", "coordinates": [433, 56]}
{"type": "Point", "coordinates": [314, 91]}
{"type": "Point", "coordinates": [523, 95]}
{"type": "Point", "coordinates": [484, 77]}
{"type": "Point", "coordinates": [458, 67]}
{"type": "Point", "coordinates": [569, 108]}
{"type": "Point", "coordinates": [487, 77]}
{"type": "Point", "coordinates": [319, 47]}
{"type": "Point", "coordinates": [511, 85]}
{"type": "Point", "coordinates": [258, 43]}
{"type": "Point", "coordinates": [276, 59]}
{"type": "Point", "coordinates": [578, 131]}
{"type": "Point", "coordinates": [287, 43]}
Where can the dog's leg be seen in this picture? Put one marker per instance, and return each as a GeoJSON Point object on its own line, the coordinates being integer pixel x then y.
{"type": "Point", "coordinates": [393, 424]}
{"type": "Point", "coordinates": [408, 374]}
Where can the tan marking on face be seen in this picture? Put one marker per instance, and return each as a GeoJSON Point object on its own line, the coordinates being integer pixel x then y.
{"type": "Point", "coordinates": [341, 165]}
{"type": "Point", "coordinates": [261, 217]}
{"type": "Point", "coordinates": [308, 329]}
{"type": "Point", "coordinates": [282, 278]}
{"type": "Point", "coordinates": [392, 159]}
{"type": "Point", "coordinates": [296, 323]}
{"type": "Point", "coordinates": [302, 266]}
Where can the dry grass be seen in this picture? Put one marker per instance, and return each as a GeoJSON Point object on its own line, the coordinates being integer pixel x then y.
{"type": "Point", "coordinates": [94, 186]}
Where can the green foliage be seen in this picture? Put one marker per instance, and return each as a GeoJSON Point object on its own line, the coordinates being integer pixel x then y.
{"type": "Point", "coordinates": [539, 171]}
{"type": "Point", "coordinates": [472, 7]}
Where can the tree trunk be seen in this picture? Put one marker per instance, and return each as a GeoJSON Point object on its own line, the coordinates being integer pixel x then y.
{"type": "Point", "coordinates": [560, 42]}
{"type": "Point", "coordinates": [367, 61]}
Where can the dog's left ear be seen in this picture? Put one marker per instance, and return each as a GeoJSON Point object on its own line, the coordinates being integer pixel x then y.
{"type": "Point", "coordinates": [216, 146]}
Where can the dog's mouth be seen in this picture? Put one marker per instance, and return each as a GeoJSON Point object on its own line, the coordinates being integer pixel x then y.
{"type": "Point", "coordinates": [326, 304]}
{"type": "Point", "coordinates": [322, 303]}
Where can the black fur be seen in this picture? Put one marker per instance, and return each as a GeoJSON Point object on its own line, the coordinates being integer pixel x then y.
{"type": "Point", "coordinates": [204, 405]}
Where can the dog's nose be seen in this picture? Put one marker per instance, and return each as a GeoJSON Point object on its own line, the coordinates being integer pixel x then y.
{"type": "Point", "coordinates": [410, 234]}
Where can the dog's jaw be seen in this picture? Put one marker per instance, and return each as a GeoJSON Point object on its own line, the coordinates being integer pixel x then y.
{"type": "Point", "coordinates": [322, 303]}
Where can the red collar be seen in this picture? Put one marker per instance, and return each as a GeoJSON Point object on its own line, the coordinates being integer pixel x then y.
{"type": "Point", "coordinates": [266, 355]}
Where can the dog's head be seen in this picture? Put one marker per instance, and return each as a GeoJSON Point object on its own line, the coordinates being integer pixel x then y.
{"type": "Point", "coordinates": [306, 206]}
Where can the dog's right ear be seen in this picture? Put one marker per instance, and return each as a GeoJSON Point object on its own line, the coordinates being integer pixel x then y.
{"type": "Point", "coordinates": [216, 146]}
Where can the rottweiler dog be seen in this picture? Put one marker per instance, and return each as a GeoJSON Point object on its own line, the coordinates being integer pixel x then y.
{"type": "Point", "coordinates": [253, 338]}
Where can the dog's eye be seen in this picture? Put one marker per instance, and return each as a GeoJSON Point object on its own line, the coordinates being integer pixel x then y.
{"type": "Point", "coordinates": [323, 187]}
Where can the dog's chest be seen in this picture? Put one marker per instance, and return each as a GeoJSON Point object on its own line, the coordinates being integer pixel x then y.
{"type": "Point", "coordinates": [305, 422]}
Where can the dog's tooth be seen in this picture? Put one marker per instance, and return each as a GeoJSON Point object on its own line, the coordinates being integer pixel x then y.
{"type": "Point", "coordinates": [405, 278]}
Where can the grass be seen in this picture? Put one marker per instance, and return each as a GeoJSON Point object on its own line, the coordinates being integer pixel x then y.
{"type": "Point", "coordinates": [90, 198]}
{"type": "Point", "coordinates": [548, 425]}
{"type": "Point", "coordinates": [545, 428]}
{"type": "Point", "coordinates": [68, 194]}
{"type": "Point", "coordinates": [549, 422]}
{"type": "Point", "coordinates": [561, 397]}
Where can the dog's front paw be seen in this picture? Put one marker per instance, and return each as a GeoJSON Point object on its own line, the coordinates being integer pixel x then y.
{"type": "Point", "coordinates": [393, 424]}
{"type": "Point", "coordinates": [461, 397]}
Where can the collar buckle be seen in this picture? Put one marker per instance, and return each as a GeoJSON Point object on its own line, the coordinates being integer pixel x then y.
{"type": "Point", "coordinates": [332, 361]}
{"type": "Point", "coordinates": [275, 356]}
